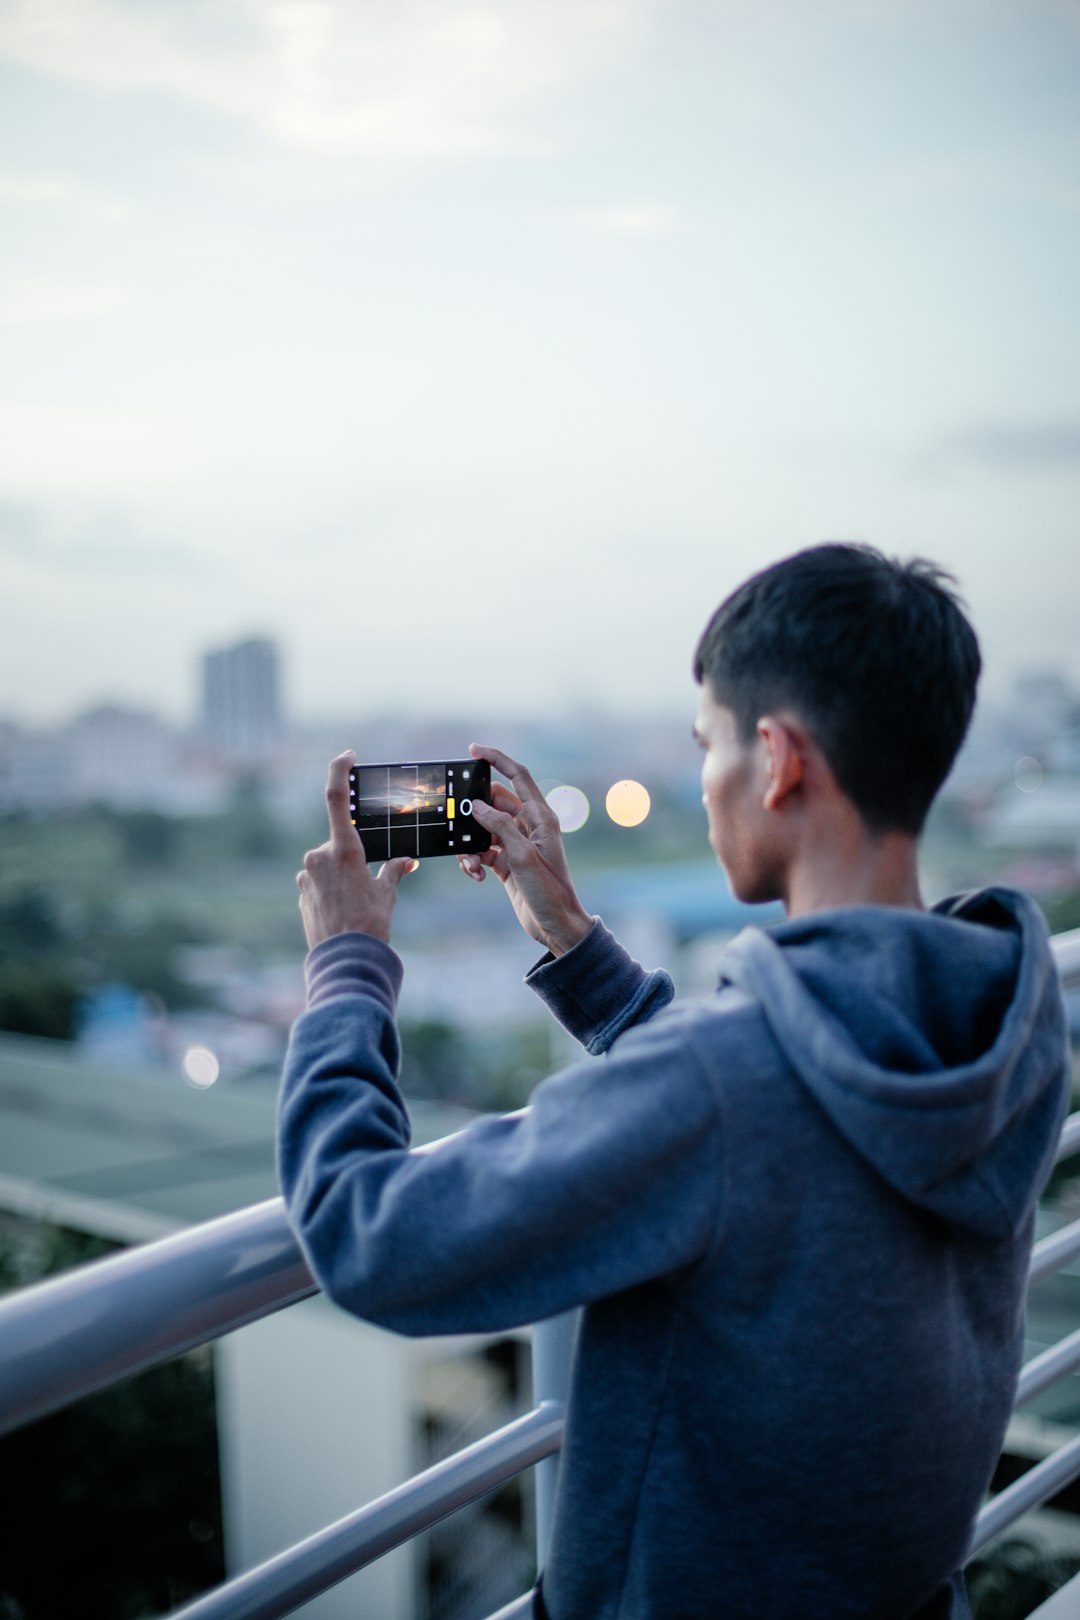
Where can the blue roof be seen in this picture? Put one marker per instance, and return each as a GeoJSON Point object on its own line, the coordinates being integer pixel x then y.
{"type": "Point", "coordinates": [692, 897]}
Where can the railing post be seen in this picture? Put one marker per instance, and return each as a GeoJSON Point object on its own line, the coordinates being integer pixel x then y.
{"type": "Point", "coordinates": [552, 1359]}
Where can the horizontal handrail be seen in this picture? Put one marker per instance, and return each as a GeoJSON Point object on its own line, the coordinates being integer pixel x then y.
{"type": "Point", "coordinates": [1050, 1254]}
{"type": "Point", "coordinates": [520, 1609]}
{"type": "Point", "coordinates": [1047, 1367]}
{"type": "Point", "coordinates": [300, 1573]}
{"type": "Point", "coordinates": [1066, 949]}
{"type": "Point", "coordinates": [1055, 1251]}
{"type": "Point", "coordinates": [1070, 1138]}
{"type": "Point", "coordinates": [1029, 1491]}
{"type": "Point", "coordinates": [67, 1337]}
{"type": "Point", "coordinates": [75, 1334]}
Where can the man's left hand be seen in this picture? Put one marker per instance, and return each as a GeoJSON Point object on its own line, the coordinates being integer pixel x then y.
{"type": "Point", "coordinates": [339, 893]}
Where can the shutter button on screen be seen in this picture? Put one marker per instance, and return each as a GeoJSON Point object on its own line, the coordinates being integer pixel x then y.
{"type": "Point", "coordinates": [465, 807]}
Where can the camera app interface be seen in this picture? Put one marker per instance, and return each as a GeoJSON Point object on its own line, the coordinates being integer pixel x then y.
{"type": "Point", "coordinates": [418, 810]}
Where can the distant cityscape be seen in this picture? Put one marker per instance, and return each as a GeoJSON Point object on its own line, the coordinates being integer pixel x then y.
{"type": "Point", "coordinates": [130, 758]}
{"type": "Point", "coordinates": [1020, 766]}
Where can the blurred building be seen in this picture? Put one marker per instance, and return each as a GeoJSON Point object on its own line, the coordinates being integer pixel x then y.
{"type": "Point", "coordinates": [241, 717]}
{"type": "Point", "coordinates": [34, 771]}
{"type": "Point", "coordinates": [128, 759]}
{"type": "Point", "coordinates": [1044, 700]}
{"type": "Point", "coordinates": [109, 755]}
{"type": "Point", "coordinates": [123, 757]}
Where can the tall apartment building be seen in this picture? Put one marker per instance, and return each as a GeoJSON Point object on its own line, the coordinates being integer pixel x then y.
{"type": "Point", "coordinates": [241, 701]}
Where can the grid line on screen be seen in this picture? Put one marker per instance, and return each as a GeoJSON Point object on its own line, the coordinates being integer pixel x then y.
{"type": "Point", "coordinates": [401, 809]}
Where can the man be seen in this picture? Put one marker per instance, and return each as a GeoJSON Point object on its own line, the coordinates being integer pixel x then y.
{"type": "Point", "coordinates": [799, 1216]}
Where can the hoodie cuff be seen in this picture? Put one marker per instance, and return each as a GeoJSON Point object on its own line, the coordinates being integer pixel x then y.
{"type": "Point", "coordinates": [596, 990]}
{"type": "Point", "coordinates": [353, 965]}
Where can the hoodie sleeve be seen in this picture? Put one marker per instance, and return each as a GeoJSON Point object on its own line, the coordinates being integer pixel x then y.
{"type": "Point", "coordinates": [597, 990]}
{"type": "Point", "coordinates": [612, 1176]}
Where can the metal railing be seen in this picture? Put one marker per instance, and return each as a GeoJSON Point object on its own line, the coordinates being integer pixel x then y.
{"type": "Point", "coordinates": [66, 1338]}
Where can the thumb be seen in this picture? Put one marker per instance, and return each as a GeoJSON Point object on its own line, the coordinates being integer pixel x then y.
{"type": "Point", "coordinates": [393, 871]}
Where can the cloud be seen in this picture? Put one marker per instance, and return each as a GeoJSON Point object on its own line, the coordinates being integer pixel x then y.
{"type": "Point", "coordinates": [1059, 195]}
{"type": "Point", "coordinates": [20, 528]}
{"type": "Point", "coordinates": [415, 79]}
{"type": "Point", "coordinates": [106, 543]}
{"type": "Point", "coordinates": [99, 454]}
{"type": "Point", "coordinates": [1010, 446]}
{"type": "Point", "coordinates": [643, 219]}
{"type": "Point", "coordinates": [54, 191]}
{"type": "Point", "coordinates": [40, 303]}
{"type": "Point", "coordinates": [45, 190]}
{"type": "Point", "coordinates": [1051, 445]}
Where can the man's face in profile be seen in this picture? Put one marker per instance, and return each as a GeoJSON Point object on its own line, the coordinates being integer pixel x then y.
{"type": "Point", "coordinates": [734, 780]}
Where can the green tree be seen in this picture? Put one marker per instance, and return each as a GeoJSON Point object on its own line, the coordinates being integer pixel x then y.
{"type": "Point", "coordinates": [1013, 1577]}
{"type": "Point", "coordinates": [148, 838]}
{"type": "Point", "coordinates": [38, 1000]}
{"type": "Point", "coordinates": [29, 921]}
{"type": "Point", "coordinates": [251, 830]}
{"type": "Point", "coordinates": [1062, 911]}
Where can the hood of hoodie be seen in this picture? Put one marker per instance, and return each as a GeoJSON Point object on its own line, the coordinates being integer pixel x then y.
{"type": "Point", "coordinates": [935, 1041]}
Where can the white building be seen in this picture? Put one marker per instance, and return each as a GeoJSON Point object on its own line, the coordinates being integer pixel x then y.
{"type": "Point", "coordinates": [126, 758]}
{"type": "Point", "coordinates": [123, 757]}
{"type": "Point", "coordinates": [35, 771]}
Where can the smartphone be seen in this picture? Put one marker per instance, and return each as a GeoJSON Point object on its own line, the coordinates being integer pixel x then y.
{"type": "Point", "coordinates": [420, 809]}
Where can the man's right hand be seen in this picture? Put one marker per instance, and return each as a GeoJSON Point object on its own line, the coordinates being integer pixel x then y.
{"type": "Point", "coordinates": [527, 856]}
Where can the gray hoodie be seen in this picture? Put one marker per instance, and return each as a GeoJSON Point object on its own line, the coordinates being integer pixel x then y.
{"type": "Point", "coordinates": [799, 1216]}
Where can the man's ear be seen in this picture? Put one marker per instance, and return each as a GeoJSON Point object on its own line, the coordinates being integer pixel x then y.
{"type": "Point", "coordinates": [787, 764]}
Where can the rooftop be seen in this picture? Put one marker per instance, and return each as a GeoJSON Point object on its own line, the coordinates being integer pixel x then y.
{"type": "Point", "coordinates": [132, 1157]}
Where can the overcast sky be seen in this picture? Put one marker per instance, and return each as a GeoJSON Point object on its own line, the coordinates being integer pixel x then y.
{"type": "Point", "coordinates": [475, 351]}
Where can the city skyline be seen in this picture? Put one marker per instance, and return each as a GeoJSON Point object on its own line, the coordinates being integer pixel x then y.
{"type": "Point", "coordinates": [516, 336]}
{"type": "Point", "coordinates": [1041, 685]}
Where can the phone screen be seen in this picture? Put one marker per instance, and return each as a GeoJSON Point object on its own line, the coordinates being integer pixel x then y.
{"type": "Point", "coordinates": [421, 809]}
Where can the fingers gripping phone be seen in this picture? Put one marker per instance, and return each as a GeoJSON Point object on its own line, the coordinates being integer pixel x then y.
{"type": "Point", "coordinates": [420, 809]}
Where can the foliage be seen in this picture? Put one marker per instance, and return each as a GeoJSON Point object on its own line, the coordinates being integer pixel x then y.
{"type": "Point", "coordinates": [436, 1062]}
{"type": "Point", "coordinates": [104, 896]}
{"type": "Point", "coordinates": [443, 1062]}
{"type": "Point", "coordinates": [1013, 1577]}
{"type": "Point", "coordinates": [32, 1250]}
{"type": "Point", "coordinates": [38, 1001]}
{"type": "Point", "coordinates": [148, 838]}
{"type": "Point", "coordinates": [29, 921]}
{"type": "Point", "coordinates": [145, 959]}
{"type": "Point", "coordinates": [125, 1482]}
{"type": "Point", "coordinates": [39, 992]}
{"type": "Point", "coordinates": [1062, 911]}
{"type": "Point", "coordinates": [248, 828]}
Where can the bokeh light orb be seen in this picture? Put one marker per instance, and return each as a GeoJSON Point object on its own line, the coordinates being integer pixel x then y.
{"type": "Point", "coordinates": [201, 1067]}
{"type": "Point", "coordinates": [571, 806]}
{"type": "Point", "coordinates": [1029, 774]}
{"type": "Point", "coordinates": [628, 803]}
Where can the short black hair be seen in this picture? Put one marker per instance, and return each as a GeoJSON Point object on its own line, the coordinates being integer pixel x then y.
{"type": "Point", "coordinates": [875, 656]}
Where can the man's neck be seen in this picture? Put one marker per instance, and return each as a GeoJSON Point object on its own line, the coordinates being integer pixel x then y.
{"type": "Point", "coordinates": [857, 869]}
